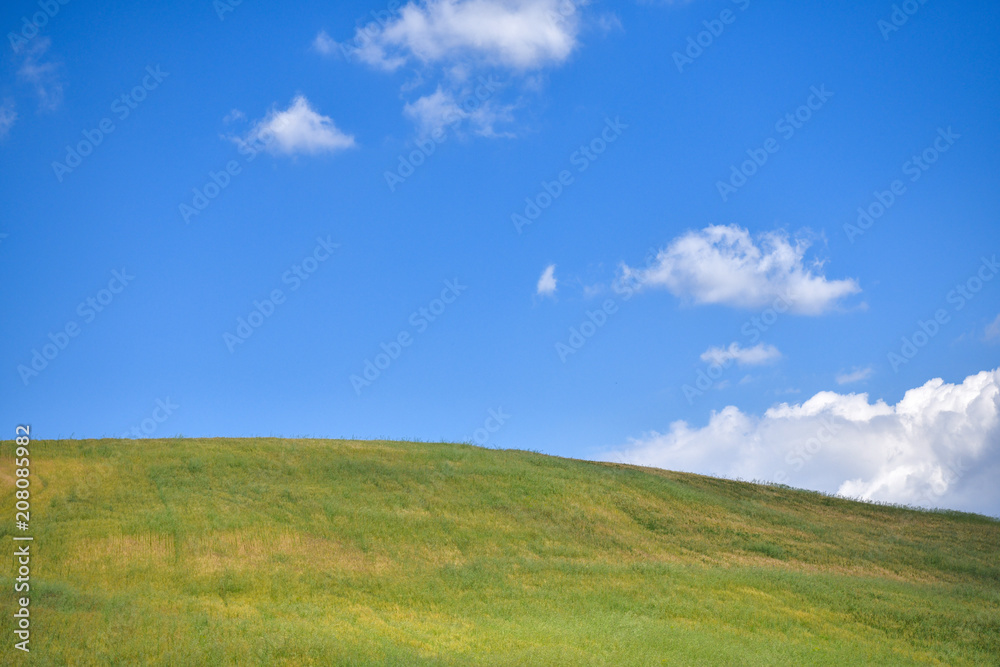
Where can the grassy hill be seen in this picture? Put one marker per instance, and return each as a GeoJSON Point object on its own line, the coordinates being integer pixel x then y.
{"type": "Point", "coordinates": [269, 551]}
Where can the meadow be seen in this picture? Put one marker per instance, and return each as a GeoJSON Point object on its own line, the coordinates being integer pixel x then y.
{"type": "Point", "coordinates": [319, 552]}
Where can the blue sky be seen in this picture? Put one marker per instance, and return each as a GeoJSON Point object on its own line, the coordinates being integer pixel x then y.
{"type": "Point", "coordinates": [368, 169]}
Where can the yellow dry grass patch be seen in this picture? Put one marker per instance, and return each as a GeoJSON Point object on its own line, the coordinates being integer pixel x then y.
{"type": "Point", "coordinates": [865, 569]}
{"type": "Point", "coordinates": [113, 550]}
{"type": "Point", "coordinates": [428, 632]}
{"type": "Point", "coordinates": [215, 552]}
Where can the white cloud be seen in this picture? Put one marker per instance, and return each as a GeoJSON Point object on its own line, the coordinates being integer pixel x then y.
{"type": "Point", "coordinates": [299, 129]}
{"type": "Point", "coordinates": [8, 116]}
{"type": "Point", "coordinates": [234, 116]}
{"type": "Point", "coordinates": [993, 330]}
{"type": "Point", "coordinates": [725, 265]}
{"type": "Point", "coordinates": [434, 112]}
{"type": "Point", "coordinates": [938, 447]}
{"type": "Point", "coordinates": [324, 44]}
{"type": "Point", "coordinates": [520, 34]}
{"type": "Point", "coordinates": [609, 22]}
{"type": "Point", "coordinates": [453, 44]}
{"type": "Point", "coordinates": [856, 375]}
{"type": "Point", "coordinates": [750, 356]}
{"type": "Point", "coordinates": [43, 75]}
{"type": "Point", "coordinates": [547, 283]}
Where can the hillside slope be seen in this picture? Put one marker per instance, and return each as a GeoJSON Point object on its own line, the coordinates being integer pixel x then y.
{"type": "Point", "coordinates": [269, 551]}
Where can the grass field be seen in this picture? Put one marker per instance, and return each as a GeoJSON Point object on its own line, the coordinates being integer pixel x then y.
{"type": "Point", "coordinates": [269, 551]}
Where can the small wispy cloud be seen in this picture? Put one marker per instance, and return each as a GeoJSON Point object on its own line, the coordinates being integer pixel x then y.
{"type": "Point", "coordinates": [547, 284]}
{"type": "Point", "coordinates": [750, 356]}
{"type": "Point", "coordinates": [441, 109]}
{"type": "Point", "coordinates": [8, 116]}
{"type": "Point", "coordinates": [234, 116]}
{"type": "Point", "coordinates": [324, 44]}
{"type": "Point", "coordinates": [857, 375]}
{"type": "Point", "coordinates": [43, 75]}
{"type": "Point", "coordinates": [993, 330]}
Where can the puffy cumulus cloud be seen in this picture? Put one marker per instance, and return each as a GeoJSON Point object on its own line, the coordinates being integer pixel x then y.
{"type": "Point", "coordinates": [299, 129]}
{"type": "Point", "coordinates": [938, 447]}
{"type": "Point", "coordinates": [547, 282]}
{"type": "Point", "coordinates": [723, 264]}
{"type": "Point", "coordinates": [458, 46]}
{"type": "Point", "coordinates": [744, 356]}
{"type": "Point", "coordinates": [519, 34]}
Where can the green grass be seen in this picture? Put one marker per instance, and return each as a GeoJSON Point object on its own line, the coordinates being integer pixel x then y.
{"type": "Point", "coordinates": [269, 551]}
